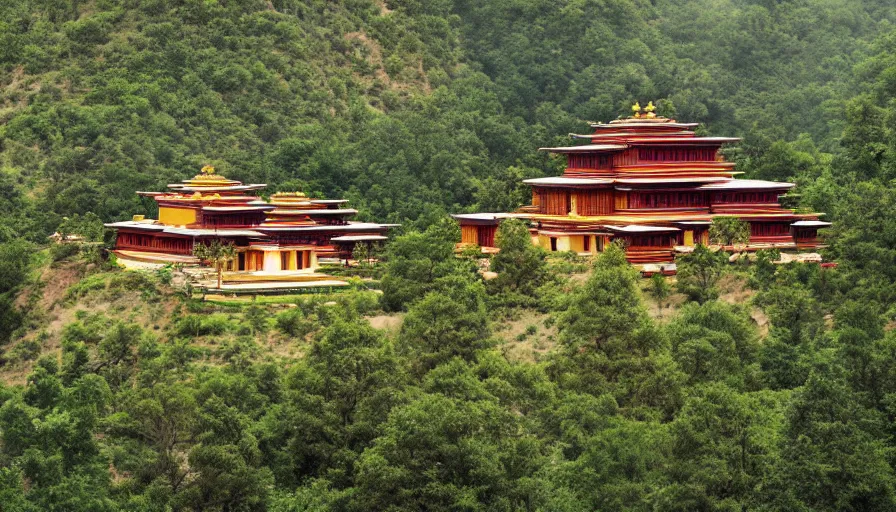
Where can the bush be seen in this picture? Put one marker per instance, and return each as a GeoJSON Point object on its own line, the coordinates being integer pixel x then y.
{"type": "Point", "coordinates": [293, 323]}
{"type": "Point", "coordinates": [26, 350]}
{"type": "Point", "coordinates": [239, 352]}
{"type": "Point", "coordinates": [59, 252]}
{"type": "Point", "coordinates": [257, 319]}
{"type": "Point", "coordinates": [359, 302]}
{"type": "Point", "coordinates": [217, 323]}
{"type": "Point", "coordinates": [87, 285]}
{"type": "Point", "coordinates": [196, 325]}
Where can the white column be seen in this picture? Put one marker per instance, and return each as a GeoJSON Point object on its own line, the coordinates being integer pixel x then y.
{"type": "Point", "coordinates": [271, 261]}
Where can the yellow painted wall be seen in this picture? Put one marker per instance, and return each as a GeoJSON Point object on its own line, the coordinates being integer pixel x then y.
{"type": "Point", "coordinates": [176, 216]}
{"type": "Point", "coordinates": [544, 242]}
{"type": "Point", "coordinates": [576, 243]}
{"type": "Point", "coordinates": [293, 260]}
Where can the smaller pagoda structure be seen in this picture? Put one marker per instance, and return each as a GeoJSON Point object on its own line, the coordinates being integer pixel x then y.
{"type": "Point", "coordinates": [653, 184]}
{"type": "Point", "coordinates": [280, 240]}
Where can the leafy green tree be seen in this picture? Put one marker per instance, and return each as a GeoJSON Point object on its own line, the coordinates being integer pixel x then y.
{"type": "Point", "coordinates": [334, 402]}
{"type": "Point", "coordinates": [660, 291]}
{"type": "Point", "coordinates": [833, 457]}
{"type": "Point", "coordinates": [724, 445]}
{"type": "Point", "coordinates": [257, 317]}
{"type": "Point", "coordinates": [699, 273]}
{"type": "Point", "coordinates": [763, 269]}
{"type": "Point", "coordinates": [520, 265]}
{"type": "Point", "coordinates": [217, 253]}
{"type": "Point", "coordinates": [714, 342]}
{"type": "Point", "coordinates": [17, 257]}
{"type": "Point", "coordinates": [416, 261]}
{"type": "Point", "coordinates": [44, 388]}
{"type": "Point", "coordinates": [621, 466]}
{"type": "Point", "coordinates": [448, 323]}
{"type": "Point", "coordinates": [75, 359]}
{"type": "Point", "coordinates": [609, 342]}
{"type": "Point", "coordinates": [89, 226]}
{"type": "Point", "coordinates": [116, 353]}
{"type": "Point", "coordinates": [438, 453]}
{"type": "Point", "coordinates": [729, 231]}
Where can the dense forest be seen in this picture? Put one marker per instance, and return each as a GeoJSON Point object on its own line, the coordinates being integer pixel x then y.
{"type": "Point", "coordinates": [563, 384]}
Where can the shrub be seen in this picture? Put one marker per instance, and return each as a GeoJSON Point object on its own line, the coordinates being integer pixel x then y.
{"type": "Point", "coordinates": [59, 252]}
{"type": "Point", "coordinates": [217, 323]}
{"type": "Point", "coordinates": [190, 325]}
{"type": "Point", "coordinates": [26, 350]}
{"type": "Point", "coordinates": [257, 318]}
{"type": "Point", "coordinates": [197, 325]}
{"type": "Point", "coordinates": [293, 322]}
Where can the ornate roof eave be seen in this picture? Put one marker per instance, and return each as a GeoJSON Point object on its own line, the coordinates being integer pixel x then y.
{"type": "Point", "coordinates": [215, 188]}
{"type": "Point", "coordinates": [642, 140]}
{"type": "Point", "coordinates": [585, 148]}
{"type": "Point", "coordinates": [229, 209]}
{"type": "Point", "coordinates": [281, 210]}
{"type": "Point", "coordinates": [632, 123]}
{"type": "Point", "coordinates": [564, 181]}
{"type": "Point", "coordinates": [745, 184]}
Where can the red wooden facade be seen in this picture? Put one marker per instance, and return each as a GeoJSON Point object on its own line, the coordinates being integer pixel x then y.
{"type": "Point", "coordinates": [658, 176]}
{"type": "Point", "coordinates": [210, 207]}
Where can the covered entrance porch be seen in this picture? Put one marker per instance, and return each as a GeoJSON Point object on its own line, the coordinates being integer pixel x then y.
{"type": "Point", "coordinates": [257, 258]}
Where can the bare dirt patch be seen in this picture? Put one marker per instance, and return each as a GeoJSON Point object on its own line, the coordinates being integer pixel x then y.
{"type": "Point", "coordinates": [761, 320]}
{"type": "Point", "coordinates": [670, 305]}
{"type": "Point", "coordinates": [391, 323]}
{"type": "Point", "coordinates": [526, 338]}
{"type": "Point", "coordinates": [733, 289]}
{"type": "Point", "coordinates": [57, 281]}
{"type": "Point", "coordinates": [384, 9]}
{"type": "Point", "coordinates": [51, 313]}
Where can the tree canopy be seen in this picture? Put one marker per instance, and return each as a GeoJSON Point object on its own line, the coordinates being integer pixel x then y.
{"type": "Point", "coordinates": [121, 392]}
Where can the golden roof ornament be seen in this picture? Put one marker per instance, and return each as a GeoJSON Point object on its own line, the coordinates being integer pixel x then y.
{"type": "Point", "coordinates": [650, 110]}
{"type": "Point", "coordinates": [207, 173]}
{"type": "Point", "coordinates": [636, 108]}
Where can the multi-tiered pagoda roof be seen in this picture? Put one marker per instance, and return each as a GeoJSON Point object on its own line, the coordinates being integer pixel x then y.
{"type": "Point", "coordinates": [278, 237]}
{"type": "Point", "coordinates": [654, 184]}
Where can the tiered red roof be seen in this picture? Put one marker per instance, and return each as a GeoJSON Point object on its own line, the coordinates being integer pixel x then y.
{"type": "Point", "coordinates": [654, 184]}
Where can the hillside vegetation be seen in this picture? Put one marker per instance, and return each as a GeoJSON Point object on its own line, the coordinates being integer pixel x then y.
{"type": "Point", "coordinates": [560, 385]}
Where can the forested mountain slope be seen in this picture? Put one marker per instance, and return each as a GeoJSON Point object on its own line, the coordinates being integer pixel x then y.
{"type": "Point", "coordinates": [406, 107]}
{"type": "Point", "coordinates": [560, 385]}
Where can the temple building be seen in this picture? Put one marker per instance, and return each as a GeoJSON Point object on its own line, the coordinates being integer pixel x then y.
{"type": "Point", "coordinates": [277, 240]}
{"type": "Point", "coordinates": [653, 184]}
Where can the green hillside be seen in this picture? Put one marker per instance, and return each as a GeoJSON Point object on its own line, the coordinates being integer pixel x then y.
{"type": "Point", "coordinates": [562, 384]}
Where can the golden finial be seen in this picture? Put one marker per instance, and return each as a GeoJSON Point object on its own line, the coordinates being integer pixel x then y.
{"type": "Point", "coordinates": [208, 169]}
{"type": "Point", "coordinates": [649, 109]}
{"type": "Point", "coordinates": [636, 108]}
